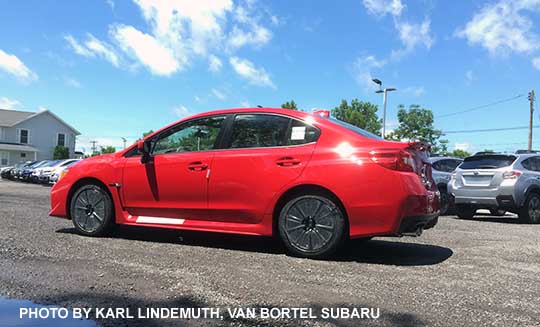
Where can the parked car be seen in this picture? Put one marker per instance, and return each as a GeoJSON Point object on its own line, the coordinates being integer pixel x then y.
{"type": "Point", "coordinates": [442, 171]}
{"type": "Point", "coordinates": [26, 172]}
{"type": "Point", "coordinates": [53, 176]}
{"type": "Point", "coordinates": [5, 172]}
{"type": "Point", "coordinates": [312, 180]}
{"type": "Point", "coordinates": [498, 182]}
{"type": "Point", "coordinates": [19, 168]}
{"type": "Point", "coordinates": [44, 173]}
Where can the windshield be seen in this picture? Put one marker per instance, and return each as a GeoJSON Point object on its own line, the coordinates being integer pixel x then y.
{"type": "Point", "coordinates": [355, 129]}
{"type": "Point", "coordinates": [487, 162]}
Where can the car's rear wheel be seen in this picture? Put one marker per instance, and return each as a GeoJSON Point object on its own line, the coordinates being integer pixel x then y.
{"type": "Point", "coordinates": [92, 210]}
{"type": "Point", "coordinates": [445, 201]}
{"type": "Point", "coordinates": [312, 226]}
{"type": "Point", "coordinates": [465, 211]}
{"type": "Point", "coordinates": [530, 212]}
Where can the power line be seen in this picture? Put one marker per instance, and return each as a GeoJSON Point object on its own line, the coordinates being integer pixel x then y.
{"type": "Point", "coordinates": [481, 107]}
{"type": "Point", "coordinates": [488, 130]}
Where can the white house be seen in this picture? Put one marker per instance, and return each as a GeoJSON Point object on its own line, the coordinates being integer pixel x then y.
{"type": "Point", "coordinates": [32, 136]}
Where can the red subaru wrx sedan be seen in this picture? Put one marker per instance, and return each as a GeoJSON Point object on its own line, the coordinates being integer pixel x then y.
{"type": "Point", "coordinates": [313, 180]}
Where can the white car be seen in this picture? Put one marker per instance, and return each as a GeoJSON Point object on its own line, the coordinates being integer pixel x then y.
{"type": "Point", "coordinates": [44, 174]}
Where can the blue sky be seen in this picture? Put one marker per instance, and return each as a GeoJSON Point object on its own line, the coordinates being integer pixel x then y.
{"type": "Point", "coordinates": [119, 68]}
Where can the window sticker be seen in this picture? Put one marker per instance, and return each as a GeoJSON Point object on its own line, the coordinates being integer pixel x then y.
{"type": "Point", "coordinates": [298, 133]}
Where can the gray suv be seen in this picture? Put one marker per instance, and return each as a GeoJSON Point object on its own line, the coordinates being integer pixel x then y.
{"type": "Point", "coordinates": [442, 168]}
{"type": "Point", "coordinates": [498, 182]}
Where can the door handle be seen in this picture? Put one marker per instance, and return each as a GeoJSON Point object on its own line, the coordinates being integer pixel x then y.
{"type": "Point", "coordinates": [287, 162]}
{"type": "Point", "coordinates": [197, 166]}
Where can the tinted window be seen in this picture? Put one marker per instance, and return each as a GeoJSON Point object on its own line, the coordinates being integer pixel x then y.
{"type": "Point", "coordinates": [355, 129]}
{"type": "Point", "coordinates": [196, 135]}
{"type": "Point", "coordinates": [61, 140]}
{"type": "Point", "coordinates": [487, 162]}
{"type": "Point", "coordinates": [301, 133]}
{"type": "Point", "coordinates": [446, 165]}
{"type": "Point", "coordinates": [257, 130]}
{"type": "Point", "coordinates": [24, 136]}
{"type": "Point", "coordinates": [532, 163]}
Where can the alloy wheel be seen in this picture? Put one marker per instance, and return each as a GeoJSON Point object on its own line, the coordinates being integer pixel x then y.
{"type": "Point", "coordinates": [90, 209]}
{"type": "Point", "coordinates": [310, 223]}
{"type": "Point", "coordinates": [534, 209]}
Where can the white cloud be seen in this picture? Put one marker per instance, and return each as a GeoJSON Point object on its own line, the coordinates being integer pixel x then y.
{"type": "Point", "coordinates": [102, 49]}
{"type": "Point", "coordinates": [110, 3]}
{"type": "Point", "coordinates": [503, 27]}
{"type": "Point", "coordinates": [469, 77]}
{"type": "Point", "coordinates": [362, 71]}
{"type": "Point", "coordinates": [69, 81]}
{"type": "Point", "coordinates": [181, 111]}
{"type": "Point", "coordinates": [218, 94]}
{"type": "Point", "coordinates": [417, 91]}
{"type": "Point", "coordinates": [92, 48]}
{"type": "Point", "coordinates": [198, 99]}
{"type": "Point", "coordinates": [244, 104]}
{"type": "Point", "coordinates": [536, 63]}
{"type": "Point", "coordinates": [159, 59]}
{"type": "Point", "coordinates": [413, 35]}
{"type": "Point", "coordinates": [381, 8]}
{"type": "Point", "coordinates": [215, 63]}
{"type": "Point", "coordinates": [42, 108]}
{"type": "Point", "coordinates": [14, 66]}
{"type": "Point", "coordinates": [256, 37]}
{"type": "Point", "coordinates": [10, 104]}
{"type": "Point", "coordinates": [462, 146]}
{"type": "Point", "coordinates": [247, 70]}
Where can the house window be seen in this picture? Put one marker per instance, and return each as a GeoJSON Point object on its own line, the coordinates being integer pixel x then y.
{"type": "Point", "coordinates": [23, 155]}
{"type": "Point", "coordinates": [61, 140]}
{"type": "Point", "coordinates": [23, 136]}
{"type": "Point", "coordinates": [3, 158]}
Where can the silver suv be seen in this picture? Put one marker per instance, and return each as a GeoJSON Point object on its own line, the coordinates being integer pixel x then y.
{"type": "Point", "coordinates": [442, 168]}
{"type": "Point", "coordinates": [498, 182]}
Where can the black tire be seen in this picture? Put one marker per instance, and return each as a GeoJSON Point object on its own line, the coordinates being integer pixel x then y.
{"type": "Point", "coordinates": [497, 212]}
{"type": "Point", "coordinates": [312, 226]}
{"type": "Point", "coordinates": [530, 212]}
{"type": "Point", "coordinates": [92, 210]}
{"type": "Point", "coordinates": [465, 211]}
{"type": "Point", "coordinates": [445, 201]}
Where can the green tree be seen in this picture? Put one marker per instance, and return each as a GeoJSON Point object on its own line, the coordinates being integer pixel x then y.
{"type": "Point", "coordinates": [458, 153]}
{"type": "Point", "coordinates": [416, 123]}
{"type": "Point", "coordinates": [147, 133]}
{"type": "Point", "coordinates": [289, 105]}
{"type": "Point", "coordinates": [108, 149]}
{"type": "Point", "coordinates": [359, 113]}
{"type": "Point", "coordinates": [60, 152]}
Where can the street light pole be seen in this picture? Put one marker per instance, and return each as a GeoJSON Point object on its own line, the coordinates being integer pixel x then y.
{"type": "Point", "coordinates": [385, 97]}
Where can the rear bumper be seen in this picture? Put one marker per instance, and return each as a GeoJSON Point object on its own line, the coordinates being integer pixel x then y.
{"type": "Point", "coordinates": [413, 223]}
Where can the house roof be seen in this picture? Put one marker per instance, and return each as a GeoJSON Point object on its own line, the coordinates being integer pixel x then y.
{"type": "Point", "coordinates": [17, 147]}
{"type": "Point", "coordinates": [10, 118]}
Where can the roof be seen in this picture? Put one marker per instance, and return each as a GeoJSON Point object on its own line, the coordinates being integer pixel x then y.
{"type": "Point", "coordinates": [10, 118]}
{"type": "Point", "coordinates": [17, 147]}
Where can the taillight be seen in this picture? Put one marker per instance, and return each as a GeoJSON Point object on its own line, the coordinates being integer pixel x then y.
{"type": "Point", "coordinates": [394, 159]}
{"type": "Point", "coordinates": [511, 174]}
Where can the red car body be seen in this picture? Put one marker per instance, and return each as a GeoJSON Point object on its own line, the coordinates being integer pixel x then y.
{"type": "Point", "coordinates": [385, 188]}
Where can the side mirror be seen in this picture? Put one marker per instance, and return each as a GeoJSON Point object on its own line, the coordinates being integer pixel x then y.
{"type": "Point", "coordinates": [144, 150]}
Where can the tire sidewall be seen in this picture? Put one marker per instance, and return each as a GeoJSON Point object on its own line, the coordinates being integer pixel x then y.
{"type": "Point", "coordinates": [108, 220]}
{"type": "Point", "coordinates": [525, 210]}
{"type": "Point", "coordinates": [337, 238]}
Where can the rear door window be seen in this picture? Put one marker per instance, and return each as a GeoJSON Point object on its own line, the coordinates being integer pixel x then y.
{"type": "Point", "coordinates": [487, 162]}
{"type": "Point", "coordinates": [532, 164]}
{"type": "Point", "coordinates": [446, 165]}
{"type": "Point", "coordinates": [258, 131]}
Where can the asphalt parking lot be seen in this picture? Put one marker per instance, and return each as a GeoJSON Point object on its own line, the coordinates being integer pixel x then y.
{"type": "Point", "coordinates": [484, 271]}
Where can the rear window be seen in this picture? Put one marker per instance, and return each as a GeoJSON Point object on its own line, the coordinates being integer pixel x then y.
{"type": "Point", "coordinates": [446, 165]}
{"type": "Point", "coordinates": [487, 162]}
{"type": "Point", "coordinates": [355, 129]}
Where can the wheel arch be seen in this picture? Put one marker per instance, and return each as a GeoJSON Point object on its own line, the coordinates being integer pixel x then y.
{"type": "Point", "coordinates": [81, 182]}
{"type": "Point", "coordinates": [531, 189]}
{"type": "Point", "coordinates": [300, 190]}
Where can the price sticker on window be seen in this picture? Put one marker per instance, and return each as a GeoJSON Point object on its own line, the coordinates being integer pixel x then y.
{"type": "Point", "coordinates": [298, 133]}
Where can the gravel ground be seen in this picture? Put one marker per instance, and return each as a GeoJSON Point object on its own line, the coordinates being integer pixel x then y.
{"type": "Point", "coordinates": [483, 272]}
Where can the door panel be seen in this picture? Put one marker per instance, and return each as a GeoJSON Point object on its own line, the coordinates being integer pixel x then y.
{"type": "Point", "coordinates": [244, 181]}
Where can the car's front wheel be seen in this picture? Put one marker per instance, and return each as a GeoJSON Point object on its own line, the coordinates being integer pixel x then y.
{"type": "Point", "coordinates": [92, 210]}
{"type": "Point", "coordinates": [465, 211]}
{"type": "Point", "coordinates": [312, 226]}
{"type": "Point", "coordinates": [530, 212]}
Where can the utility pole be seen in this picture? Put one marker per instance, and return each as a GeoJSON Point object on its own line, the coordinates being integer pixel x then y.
{"type": "Point", "coordinates": [94, 148]}
{"type": "Point", "coordinates": [531, 109]}
{"type": "Point", "coordinates": [385, 96]}
{"type": "Point", "coordinates": [124, 140]}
